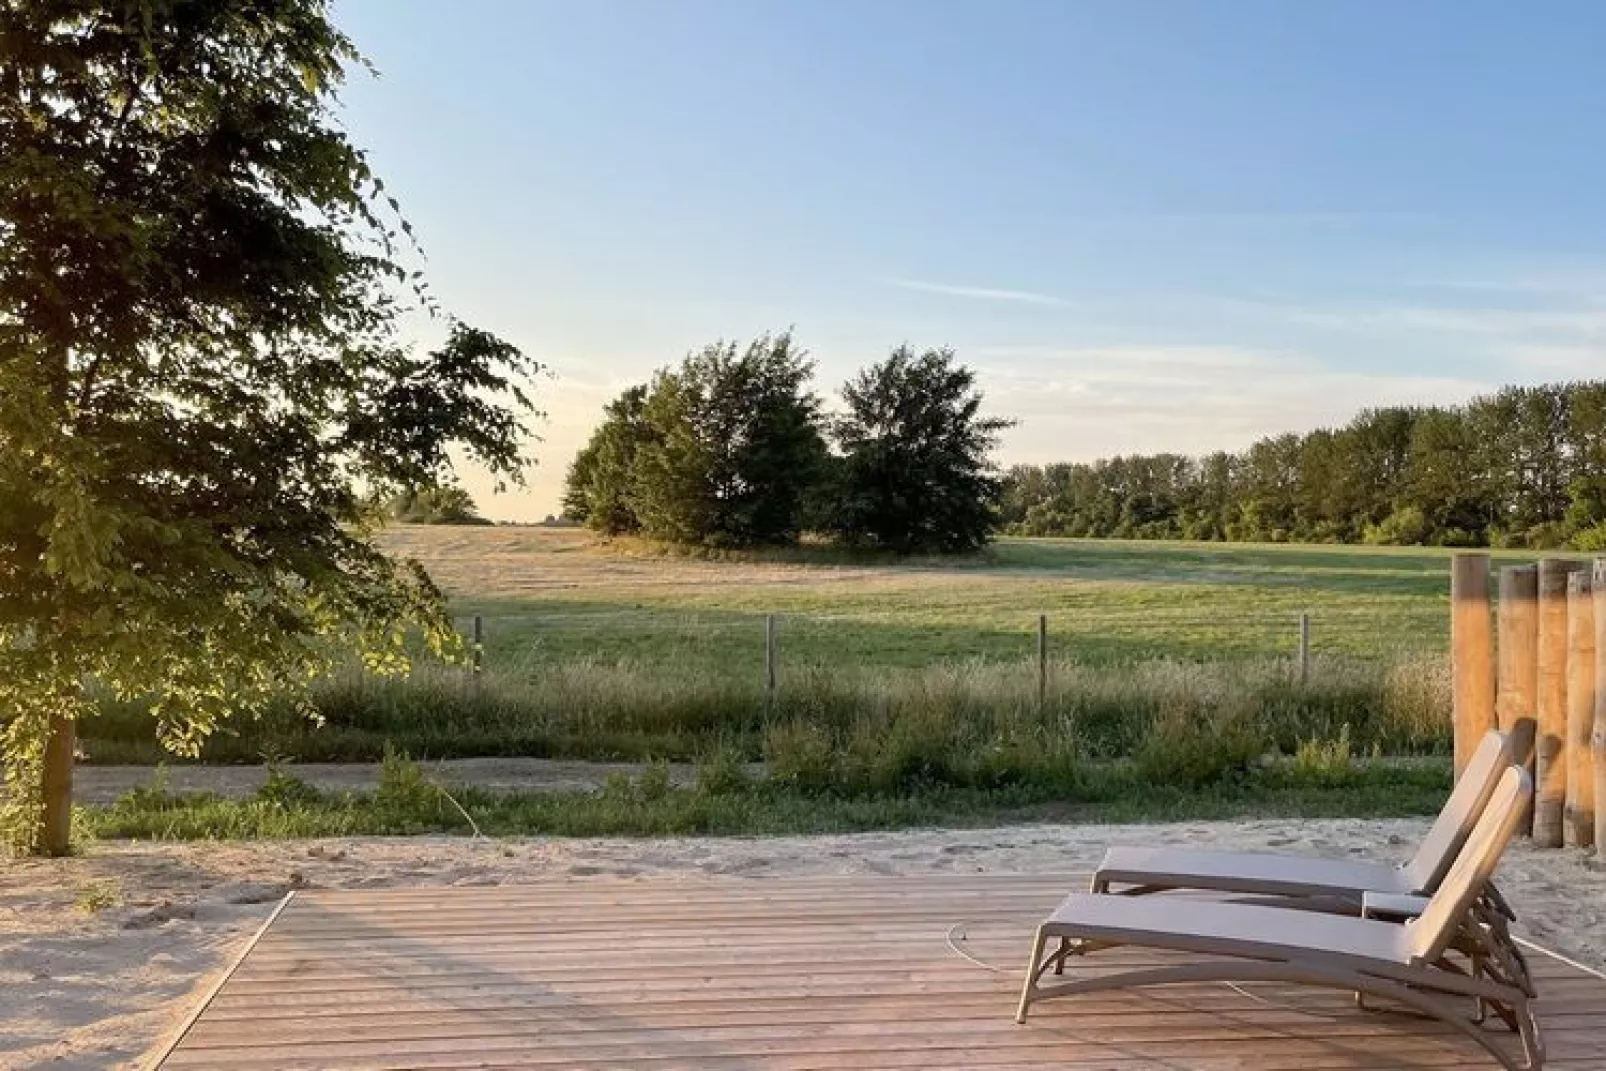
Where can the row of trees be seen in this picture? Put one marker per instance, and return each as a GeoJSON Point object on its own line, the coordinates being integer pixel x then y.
{"type": "Point", "coordinates": [1523, 467]}
{"type": "Point", "coordinates": [731, 448]}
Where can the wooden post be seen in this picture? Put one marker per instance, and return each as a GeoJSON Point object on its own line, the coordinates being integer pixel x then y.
{"type": "Point", "coordinates": [55, 823]}
{"type": "Point", "coordinates": [1579, 815]}
{"type": "Point", "coordinates": [1304, 648]}
{"type": "Point", "coordinates": [1519, 663]}
{"type": "Point", "coordinates": [1042, 661]}
{"type": "Point", "coordinates": [1471, 655]}
{"type": "Point", "coordinates": [771, 655]}
{"type": "Point", "coordinates": [1550, 743]}
{"type": "Point", "coordinates": [1599, 738]}
{"type": "Point", "coordinates": [479, 643]}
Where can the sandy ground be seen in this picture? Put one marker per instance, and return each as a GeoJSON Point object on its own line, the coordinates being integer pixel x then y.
{"type": "Point", "coordinates": [82, 988]}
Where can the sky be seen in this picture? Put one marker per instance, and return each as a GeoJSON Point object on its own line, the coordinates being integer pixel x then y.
{"type": "Point", "coordinates": [1147, 225]}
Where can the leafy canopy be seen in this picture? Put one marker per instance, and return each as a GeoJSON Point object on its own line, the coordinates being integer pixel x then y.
{"type": "Point", "coordinates": [915, 475]}
{"type": "Point", "coordinates": [722, 450]}
{"type": "Point", "coordinates": [600, 490]}
{"type": "Point", "coordinates": [204, 303]}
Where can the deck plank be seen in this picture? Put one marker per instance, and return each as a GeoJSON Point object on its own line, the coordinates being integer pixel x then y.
{"type": "Point", "coordinates": [752, 972]}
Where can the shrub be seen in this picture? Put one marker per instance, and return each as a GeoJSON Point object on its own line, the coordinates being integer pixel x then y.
{"type": "Point", "coordinates": [801, 757]}
{"type": "Point", "coordinates": [402, 785]}
{"type": "Point", "coordinates": [1190, 752]}
{"type": "Point", "coordinates": [282, 789]}
{"type": "Point", "coordinates": [1324, 764]}
{"type": "Point", "coordinates": [722, 773]}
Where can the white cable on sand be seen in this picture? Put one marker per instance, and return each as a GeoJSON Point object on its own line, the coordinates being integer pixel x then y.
{"type": "Point", "coordinates": [1586, 968]}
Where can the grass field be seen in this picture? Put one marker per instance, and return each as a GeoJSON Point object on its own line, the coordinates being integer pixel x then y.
{"type": "Point", "coordinates": [906, 690]}
{"type": "Point", "coordinates": [552, 596]}
{"type": "Point", "coordinates": [622, 650]}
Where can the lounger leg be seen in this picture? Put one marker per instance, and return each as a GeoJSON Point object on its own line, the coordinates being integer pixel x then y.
{"type": "Point", "coordinates": [1533, 1045]}
{"type": "Point", "coordinates": [1434, 1006]}
{"type": "Point", "coordinates": [1034, 967]}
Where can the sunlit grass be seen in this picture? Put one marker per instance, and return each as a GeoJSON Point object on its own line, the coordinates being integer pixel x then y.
{"type": "Point", "coordinates": [406, 803]}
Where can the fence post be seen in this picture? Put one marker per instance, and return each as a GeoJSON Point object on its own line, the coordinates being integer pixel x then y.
{"type": "Point", "coordinates": [1579, 820]}
{"type": "Point", "coordinates": [479, 643]}
{"type": "Point", "coordinates": [54, 835]}
{"type": "Point", "coordinates": [1599, 737]}
{"type": "Point", "coordinates": [1550, 743]}
{"type": "Point", "coordinates": [1304, 647]}
{"type": "Point", "coordinates": [771, 655]}
{"type": "Point", "coordinates": [1518, 654]}
{"type": "Point", "coordinates": [1471, 655]}
{"type": "Point", "coordinates": [1042, 661]}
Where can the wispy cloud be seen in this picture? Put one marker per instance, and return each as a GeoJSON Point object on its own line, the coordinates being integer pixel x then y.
{"type": "Point", "coordinates": [979, 293]}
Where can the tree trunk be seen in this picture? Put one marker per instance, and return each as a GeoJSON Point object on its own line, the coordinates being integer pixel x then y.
{"type": "Point", "coordinates": [55, 825]}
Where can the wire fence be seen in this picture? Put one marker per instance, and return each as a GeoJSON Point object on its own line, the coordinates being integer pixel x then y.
{"type": "Point", "coordinates": [763, 646]}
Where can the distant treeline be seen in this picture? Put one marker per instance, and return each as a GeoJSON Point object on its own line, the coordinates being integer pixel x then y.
{"type": "Point", "coordinates": [1524, 467]}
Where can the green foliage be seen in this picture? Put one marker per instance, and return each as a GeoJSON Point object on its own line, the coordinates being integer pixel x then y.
{"type": "Point", "coordinates": [97, 896]}
{"type": "Point", "coordinates": [727, 450]}
{"type": "Point", "coordinates": [1103, 793]}
{"type": "Point", "coordinates": [1330, 763]}
{"type": "Point", "coordinates": [722, 773]}
{"type": "Point", "coordinates": [736, 445]}
{"type": "Point", "coordinates": [915, 474]}
{"type": "Point", "coordinates": [1405, 527]}
{"type": "Point", "coordinates": [284, 789]}
{"type": "Point", "coordinates": [1518, 468]}
{"type": "Point", "coordinates": [1191, 747]}
{"type": "Point", "coordinates": [402, 784]}
{"type": "Point", "coordinates": [801, 756]}
{"type": "Point", "coordinates": [440, 504]}
{"type": "Point", "coordinates": [203, 373]}
{"type": "Point", "coordinates": [600, 490]}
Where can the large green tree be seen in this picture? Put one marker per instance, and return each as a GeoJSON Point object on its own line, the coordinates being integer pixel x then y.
{"type": "Point", "coordinates": [735, 449]}
{"type": "Point", "coordinates": [915, 473]}
{"type": "Point", "coordinates": [600, 489]}
{"type": "Point", "coordinates": [204, 305]}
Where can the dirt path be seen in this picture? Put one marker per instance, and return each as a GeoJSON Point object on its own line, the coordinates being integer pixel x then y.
{"type": "Point", "coordinates": [103, 784]}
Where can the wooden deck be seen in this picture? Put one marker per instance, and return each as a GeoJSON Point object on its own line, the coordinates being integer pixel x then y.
{"type": "Point", "coordinates": [851, 972]}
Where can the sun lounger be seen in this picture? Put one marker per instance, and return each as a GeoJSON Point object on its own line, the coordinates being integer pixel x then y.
{"type": "Point", "coordinates": [1135, 871]}
{"type": "Point", "coordinates": [1409, 963]}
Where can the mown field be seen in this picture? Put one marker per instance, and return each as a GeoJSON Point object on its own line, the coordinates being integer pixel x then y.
{"type": "Point", "coordinates": [622, 650]}
{"type": "Point", "coordinates": [554, 596]}
{"type": "Point", "coordinates": [906, 690]}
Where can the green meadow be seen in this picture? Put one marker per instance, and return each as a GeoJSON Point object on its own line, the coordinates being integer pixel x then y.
{"type": "Point", "coordinates": [905, 690]}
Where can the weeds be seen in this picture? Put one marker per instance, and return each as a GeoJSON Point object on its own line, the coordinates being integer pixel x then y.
{"type": "Point", "coordinates": [647, 807]}
{"type": "Point", "coordinates": [1328, 763]}
{"type": "Point", "coordinates": [98, 896]}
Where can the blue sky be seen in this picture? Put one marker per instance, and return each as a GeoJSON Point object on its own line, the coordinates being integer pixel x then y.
{"type": "Point", "coordinates": [1149, 225]}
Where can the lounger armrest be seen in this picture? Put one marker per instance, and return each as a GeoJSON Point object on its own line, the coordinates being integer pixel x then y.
{"type": "Point", "coordinates": [1392, 907]}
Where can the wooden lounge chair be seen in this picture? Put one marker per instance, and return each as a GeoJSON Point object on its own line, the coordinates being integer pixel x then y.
{"type": "Point", "coordinates": [1135, 871]}
{"type": "Point", "coordinates": [1407, 963]}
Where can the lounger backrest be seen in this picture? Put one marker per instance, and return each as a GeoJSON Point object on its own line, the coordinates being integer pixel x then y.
{"type": "Point", "coordinates": [1461, 812]}
{"type": "Point", "coordinates": [1474, 867]}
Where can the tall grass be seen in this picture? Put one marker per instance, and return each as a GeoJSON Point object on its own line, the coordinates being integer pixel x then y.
{"type": "Point", "coordinates": [974, 724]}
